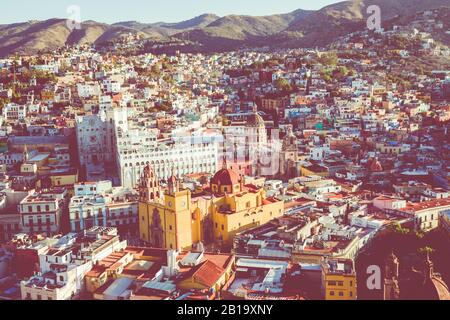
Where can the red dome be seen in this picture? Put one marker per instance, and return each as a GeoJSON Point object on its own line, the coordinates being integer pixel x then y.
{"type": "Point", "coordinates": [376, 166]}
{"type": "Point", "coordinates": [225, 177]}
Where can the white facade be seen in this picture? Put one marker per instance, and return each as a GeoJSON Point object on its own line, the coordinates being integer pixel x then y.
{"type": "Point", "coordinates": [62, 269]}
{"type": "Point", "coordinates": [386, 203]}
{"type": "Point", "coordinates": [138, 147]}
{"type": "Point", "coordinates": [13, 111]}
{"type": "Point", "coordinates": [318, 153]}
{"type": "Point", "coordinates": [41, 212]}
{"type": "Point", "coordinates": [86, 90]}
{"type": "Point", "coordinates": [51, 68]}
{"type": "Point", "coordinates": [182, 158]}
{"type": "Point", "coordinates": [95, 139]}
{"type": "Point", "coordinates": [92, 188]}
{"type": "Point", "coordinates": [111, 86]}
{"type": "Point", "coordinates": [98, 205]}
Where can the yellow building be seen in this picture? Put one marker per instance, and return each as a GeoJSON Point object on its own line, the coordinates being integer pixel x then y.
{"type": "Point", "coordinates": [212, 215]}
{"type": "Point", "coordinates": [391, 148]}
{"type": "Point", "coordinates": [66, 178]}
{"type": "Point", "coordinates": [213, 274]}
{"type": "Point", "coordinates": [338, 279]}
{"type": "Point", "coordinates": [314, 170]}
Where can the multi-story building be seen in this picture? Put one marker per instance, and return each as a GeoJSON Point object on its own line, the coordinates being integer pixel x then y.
{"type": "Point", "coordinates": [63, 266]}
{"type": "Point", "coordinates": [86, 90]}
{"type": "Point", "coordinates": [14, 111]}
{"type": "Point", "coordinates": [338, 279]}
{"type": "Point", "coordinates": [245, 140]}
{"type": "Point", "coordinates": [95, 139]}
{"type": "Point", "coordinates": [426, 214]}
{"type": "Point", "coordinates": [134, 153]}
{"type": "Point", "coordinates": [42, 212]}
{"type": "Point", "coordinates": [99, 204]}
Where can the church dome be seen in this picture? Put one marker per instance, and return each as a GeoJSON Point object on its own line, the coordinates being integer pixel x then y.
{"type": "Point", "coordinates": [437, 289]}
{"type": "Point", "coordinates": [226, 177]}
{"type": "Point", "coordinates": [433, 287]}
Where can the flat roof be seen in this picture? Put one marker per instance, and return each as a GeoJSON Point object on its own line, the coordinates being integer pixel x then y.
{"type": "Point", "coordinates": [118, 287]}
{"type": "Point", "coordinates": [259, 263]}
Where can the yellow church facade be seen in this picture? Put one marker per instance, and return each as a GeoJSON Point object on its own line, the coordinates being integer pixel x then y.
{"type": "Point", "coordinates": [183, 219]}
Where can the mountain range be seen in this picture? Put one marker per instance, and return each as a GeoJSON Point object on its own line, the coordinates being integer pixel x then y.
{"type": "Point", "coordinates": [300, 28]}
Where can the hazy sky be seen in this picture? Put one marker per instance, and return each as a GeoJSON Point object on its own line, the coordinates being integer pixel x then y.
{"type": "Point", "coordinates": [146, 10]}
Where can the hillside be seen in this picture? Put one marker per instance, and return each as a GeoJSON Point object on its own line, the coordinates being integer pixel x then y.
{"type": "Point", "coordinates": [323, 26]}
{"type": "Point", "coordinates": [300, 28]}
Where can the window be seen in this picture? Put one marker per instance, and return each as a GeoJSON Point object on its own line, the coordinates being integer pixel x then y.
{"type": "Point", "coordinates": [331, 293]}
{"type": "Point", "coordinates": [331, 283]}
{"type": "Point", "coordinates": [351, 283]}
{"type": "Point", "coordinates": [223, 227]}
{"type": "Point", "coordinates": [39, 297]}
{"type": "Point", "coordinates": [170, 227]}
{"type": "Point", "coordinates": [351, 293]}
{"type": "Point", "coordinates": [340, 283]}
{"type": "Point", "coordinates": [341, 294]}
{"type": "Point", "coordinates": [47, 207]}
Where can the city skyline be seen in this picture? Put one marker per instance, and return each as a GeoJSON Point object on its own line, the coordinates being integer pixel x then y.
{"type": "Point", "coordinates": [291, 157]}
{"type": "Point", "coordinates": [148, 11]}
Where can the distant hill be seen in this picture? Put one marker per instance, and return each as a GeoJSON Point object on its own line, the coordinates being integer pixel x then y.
{"type": "Point", "coordinates": [323, 26]}
{"type": "Point", "coordinates": [300, 28]}
{"type": "Point", "coordinates": [235, 30]}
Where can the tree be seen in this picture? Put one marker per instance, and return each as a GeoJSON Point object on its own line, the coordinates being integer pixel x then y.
{"type": "Point", "coordinates": [426, 250]}
{"type": "Point", "coordinates": [329, 59]}
{"type": "Point", "coordinates": [283, 85]}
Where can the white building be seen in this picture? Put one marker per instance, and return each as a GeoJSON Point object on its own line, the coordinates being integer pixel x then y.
{"type": "Point", "coordinates": [111, 86]}
{"type": "Point", "coordinates": [165, 158]}
{"type": "Point", "coordinates": [97, 204]}
{"type": "Point", "coordinates": [137, 147]}
{"type": "Point", "coordinates": [389, 203]}
{"type": "Point", "coordinates": [42, 211]}
{"type": "Point", "coordinates": [49, 67]}
{"type": "Point", "coordinates": [63, 266]}
{"type": "Point", "coordinates": [86, 90]}
{"type": "Point", "coordinates": [95, 139]}
{"type": "Point", "coordinates": [13, 111]}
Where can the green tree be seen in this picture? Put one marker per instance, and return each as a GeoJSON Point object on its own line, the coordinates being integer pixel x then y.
{"type": "Point", "coordinates": [426, 250]}
{"type": "Point", "coordinates": [329, 59]}
{"type": "Point", "coordinates": [283, 85]}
